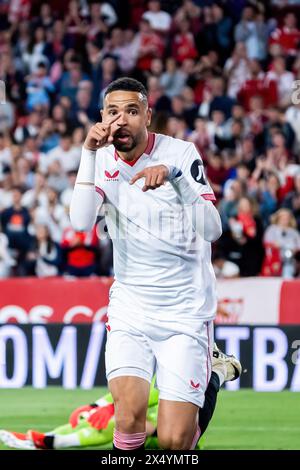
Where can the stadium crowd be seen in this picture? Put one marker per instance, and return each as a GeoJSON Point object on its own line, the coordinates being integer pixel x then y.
{"type": "Point", "coordinates": [220, 74]}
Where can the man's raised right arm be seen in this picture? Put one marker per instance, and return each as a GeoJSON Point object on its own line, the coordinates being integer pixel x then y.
{"type": "Point", "coordinates": [86, 202]}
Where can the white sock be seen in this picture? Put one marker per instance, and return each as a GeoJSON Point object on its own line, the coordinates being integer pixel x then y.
{"type": "Point", "coordinates": [68, 440]}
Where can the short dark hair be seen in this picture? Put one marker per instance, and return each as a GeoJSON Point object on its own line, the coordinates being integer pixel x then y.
{"type": "Point", "coordinates": [127, 84]}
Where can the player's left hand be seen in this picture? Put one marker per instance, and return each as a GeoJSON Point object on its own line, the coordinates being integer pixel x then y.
{"type": "Point", "coordinates": [75, 415]}
{"type": "Point", "coordinates": [100, 417]}
{"type": "Point", "coordinates": [155, 176]}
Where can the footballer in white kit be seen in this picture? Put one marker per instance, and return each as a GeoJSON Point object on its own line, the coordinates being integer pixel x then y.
{"type": "Point", "coordinates": [163, 300]}
{"type": "Point", "coordinates": [160, 216]}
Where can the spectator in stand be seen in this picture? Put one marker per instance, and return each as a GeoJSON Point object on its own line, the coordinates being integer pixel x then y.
{"type": "Point", "coordinates": [237, 69]}
{"type": "Point", "coordinates": [257, 119]}
{"type": "Point", "coordinates": [278, 160]}
{"type": "Point", "coordinates": [75, 26]}
{"type": "Point", "coordinates": [56, 177]}
{"type": "Point", "coordinates": [258, 85]}
{"type": "Point", "coordinates": [278, 126]}
{"type": "Point", "coordinates": [19, 11]}
{"type": "Point", "coordinates": [283, 235]}
{"type": "Point", "coordinates": [160, 21]}
{"type": "Point", "coordinates": [232, 140]}
{"type": "Point", "coordinates": [36, 196]}
{"type": "Point", "coordinates": [104, 11]}
{"type": "Point", "coordinates": [284, 80]}
{"type": "Point", "coordinates": [243, 239]}
{"type": "Point", "coordinates": [190, 11]}
{"type": "Point", "coordinates": [80, 252]}
{"type": "Point", "coordinates": [97, 28]}
{"type": "Point", "coordinates": [177, 127]}
{"type": "Point", "coordinates": [216, 127]}
{"type": "Point", "coordinates": [28, 127]}
{"type": "Point", "coordinates": [190, 109]}
{"type": "Point", "coordinates": [65, 154]}
{"type": "Point", "coordinates": [55, 47]}
{"type": "Point", "coordinates": [242, 174]}
{"type": "Point", "coordinates": [216, 173]}
{"type": "Point", "coordinates": [150, 45]}
{"type": "Point", "coordinates": [292, 200]}
{"type": "Point", "coordinates": [268, 190]}
{"type": "Point", "coordinates": [220, 100]}
{"type": "Point", "coordinates": [44, 258]}
{"type": "Point", "coordinates": [15, 221]}
{"type": "Point", "coordinates": [287, 36]}
{"type": "Point", "coordinates": [173, 79]}
{"type": "Point", "coordinates": [68, 84]}
{"type": "Point", "coordinates": [35, 53]}
{"type": "Point", "coordinates": [84, 111]}
{"type": "Point", "coordinates": [247, 153]}
{"type": "Point", "coordinates": [223, 31]}
{"type": "Point", "coordinates": [39, 88]}
{"type": "Point", "coordinates": [48, 138]}
{"type": "Point", "coordinates": [53, 215]}
{"type": "Point", "coordinates": [45, 20]}
{"type": "Point", "coordinates": [156, 67]}
{"type": "Point", "coordinates": [233, 192]}
{"type": "Point", "coordinates": [156, 97]}
{"type": "Point", "coordinates": [61, 118]}
{"type": "Point", "coordinates": [109, 72]}
{"type": "Point", "coordinates": [23, 173]}
{"type": "Point", "coordinates": [253, 31]}
{"type": "Point", "coordinates": [183, 46]}
{"type": "Point", "coordinates": [32, 153]}
{"type": "Point", "coordinates": [238, 114]}
{"type": "Point", "coordinates": [123, 45]}
{"type": "Point", "coordinates": [201, 136]}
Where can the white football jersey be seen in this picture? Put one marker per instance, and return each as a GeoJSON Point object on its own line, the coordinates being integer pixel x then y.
{"type": "Point", "coordinates": [157, 255]}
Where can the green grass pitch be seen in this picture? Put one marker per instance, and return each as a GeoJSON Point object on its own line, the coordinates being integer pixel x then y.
{"type": "Point", "coordinates": [242, 420]}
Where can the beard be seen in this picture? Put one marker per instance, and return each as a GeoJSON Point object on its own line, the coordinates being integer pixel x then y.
{"type": "Point", "coordinates": [132, 141]}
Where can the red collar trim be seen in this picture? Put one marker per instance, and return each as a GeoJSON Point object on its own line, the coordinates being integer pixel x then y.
{"type": "Point", "coordinates": [150, 144]}
{"type": "Point", "coordinates": [147, 151]}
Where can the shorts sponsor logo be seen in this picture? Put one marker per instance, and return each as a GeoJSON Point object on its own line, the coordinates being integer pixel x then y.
{"type": "Point", "coordinates": [194, 385]}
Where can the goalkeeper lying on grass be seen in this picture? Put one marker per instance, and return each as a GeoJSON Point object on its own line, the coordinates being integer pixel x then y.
{"type": "Point", "coordinates": [93, 425]}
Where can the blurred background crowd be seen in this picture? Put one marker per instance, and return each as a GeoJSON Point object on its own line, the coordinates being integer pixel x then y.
{"type": "Point", "coordinates": [220, 74]}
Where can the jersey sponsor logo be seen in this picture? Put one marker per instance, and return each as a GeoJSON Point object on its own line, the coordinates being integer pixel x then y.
{"type": "Point", "coordinates": [194, 385]}
{"type": "Point", "coordinates": [111, 176]}
{"type": "Point", "coordinates": [197, 172]}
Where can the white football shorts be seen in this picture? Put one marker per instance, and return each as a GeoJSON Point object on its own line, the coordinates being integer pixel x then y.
{"type": "Point", "coordinates": [140, 344]}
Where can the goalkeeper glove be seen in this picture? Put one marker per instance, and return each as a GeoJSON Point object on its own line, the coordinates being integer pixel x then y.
{"type": "Point", "coordinates": [76, 414]}
{"type": "Point", "coordinates": [99, 418]}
